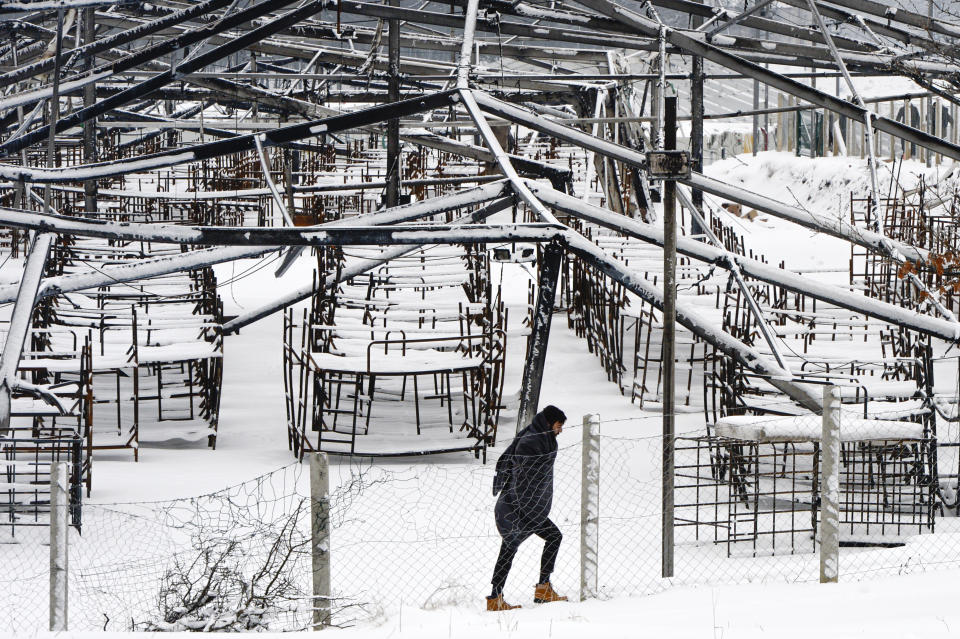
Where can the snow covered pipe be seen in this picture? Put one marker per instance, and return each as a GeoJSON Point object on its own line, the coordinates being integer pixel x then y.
{"type": "Point", "coordinates": [337, 236]}
{"type": "Point", "coordinates": [703, 252]}
{"type": "Point", "coordinates": [252, 236]}
{"type": "Point", "coordinates": [466, 46]}
{"type": "Point", "coordinates": [20, 322]}
{"type": "Point", "coordinates": [694, 322]}
{"type": "Point", "coordinates": [154, 267]}
{"type": "Point", "coordinates": [519, 186]}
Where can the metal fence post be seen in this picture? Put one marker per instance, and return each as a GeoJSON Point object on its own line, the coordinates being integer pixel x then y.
{"type": "Point", "coordinates": [590, 507]}
{"type": "Point", "coordinates": [320, 538]}
{"type": "Point", "coordinates": [59, 511]}
{"type": "Point", "coordinates": [830, 487]}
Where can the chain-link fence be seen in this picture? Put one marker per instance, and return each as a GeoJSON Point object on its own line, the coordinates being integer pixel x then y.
{"type": "Point", "coordinates": [747, 502]}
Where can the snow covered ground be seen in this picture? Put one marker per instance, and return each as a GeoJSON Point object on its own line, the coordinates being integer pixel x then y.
{"type": "Point", "coordinates": [905, 607]}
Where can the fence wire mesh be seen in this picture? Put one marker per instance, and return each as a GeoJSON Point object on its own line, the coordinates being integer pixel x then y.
{"type": "Point", "coordinates": [747, 509]}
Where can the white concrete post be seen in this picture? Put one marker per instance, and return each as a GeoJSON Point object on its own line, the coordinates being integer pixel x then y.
{"type": "Point", "coordinates": [830, 487]}
{"type": "Point", "coordinates": [590, 507]}
{"type": "Point", "coordinates": [59, 525]}
{"type": "Point", "coordinates": [320, 538]}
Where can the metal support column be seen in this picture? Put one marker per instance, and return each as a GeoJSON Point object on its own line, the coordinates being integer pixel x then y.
{"type": "Point", "coordinates": [89, 98]}
{"type": "Point", "coordinates": [669, 337]}
{"type": "Point", "coordinates": [537, 346]}
{"type": "Point", "coordinates": [696, 129]}
{"type": "Point", "coordinates": [393, 126]}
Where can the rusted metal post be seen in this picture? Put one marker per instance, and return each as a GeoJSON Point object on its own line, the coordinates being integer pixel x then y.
{"type": "Point", "coordinates": [537, 346]}
{"type": "Point", "coordinates": [393, 126]}
{"type": "Point", "coordinates": [89, 98]}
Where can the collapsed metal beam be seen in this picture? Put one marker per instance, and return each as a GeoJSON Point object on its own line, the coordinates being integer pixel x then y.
{"type": "Point", "coordinates": [831, 226]}
{"type": "Point", "coordinates": [20, 322]}
{"type": "Point", "coordinates": [694, 322]}
{"type": "Point", "coordinates": [533, 365]}
{"type": "Point", "coordinates": [788, 280]}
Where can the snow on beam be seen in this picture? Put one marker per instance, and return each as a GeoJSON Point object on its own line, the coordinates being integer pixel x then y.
{"type": "Point", "coordinates": [703, 252]}
{"type": "Point", "coordinates": [694, 322]}
{"type": "Point", "coordinates": [247, 236]}
{"type": "Point", "coordinates": [899, 14]}
{"type": "Point", "coordinates": [326, 236]}
{"type": "Point", "coordinates": [837, 228]}
{"type": "Point", "coordinates": [20, 321]}
{"type": "Point", "coordinates": [154, 267]}
{"type": "Point", "coordinates": [31, 6]}
{"type": "Point", "coordinates": [139, 270]}
{"type": "Point", "coordinates": [518, 185]}
{"type": "Point", "coordinates": [430, 140]}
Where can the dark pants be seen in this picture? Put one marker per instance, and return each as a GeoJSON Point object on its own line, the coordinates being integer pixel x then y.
{"type": "Point", "coordinates": [551, 536]}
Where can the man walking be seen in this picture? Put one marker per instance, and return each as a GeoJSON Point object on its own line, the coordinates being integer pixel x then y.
{"type": "Point", "coordinates": [524, 480]}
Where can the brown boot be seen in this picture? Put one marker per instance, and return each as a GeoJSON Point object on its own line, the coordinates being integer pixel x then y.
{"type": "Point", "coordinates": [497, 604]}
{"type": "Point", "coordinates": [545, 594]}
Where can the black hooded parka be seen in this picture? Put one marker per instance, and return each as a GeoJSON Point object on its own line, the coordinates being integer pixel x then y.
{"type": "Point", "coordinates": [524, 479]}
